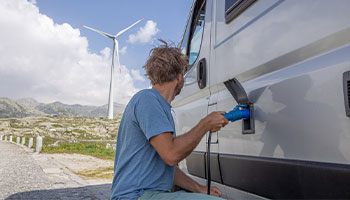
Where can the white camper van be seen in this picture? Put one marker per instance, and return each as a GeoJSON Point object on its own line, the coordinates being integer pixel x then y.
{"type": "Point", "coordinates": [289, 62]}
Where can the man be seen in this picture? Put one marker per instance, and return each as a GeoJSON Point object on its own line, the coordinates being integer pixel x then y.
{"type": "Point", "coordinates": [147, 148]}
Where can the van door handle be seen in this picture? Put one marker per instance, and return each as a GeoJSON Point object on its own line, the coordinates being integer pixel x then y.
{"type": "Point", "coordinates": [202, 73]}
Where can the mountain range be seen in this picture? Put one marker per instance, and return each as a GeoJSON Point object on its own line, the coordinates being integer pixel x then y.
{"type": "Point", "coordinates": [27, 107]}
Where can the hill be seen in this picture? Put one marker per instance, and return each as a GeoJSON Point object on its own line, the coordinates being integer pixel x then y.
{"type": "Point", "coordinates": [30, 107]}
{"type": "Point", "coordinates": [12, 109]}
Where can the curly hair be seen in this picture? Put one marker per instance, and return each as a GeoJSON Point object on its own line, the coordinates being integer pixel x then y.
{"type": "Point", "coordinates": [165, 63]}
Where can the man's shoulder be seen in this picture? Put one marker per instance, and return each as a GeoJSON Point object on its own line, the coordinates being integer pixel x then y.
{"type": "Point", "coordinates": [144, 96]}
{"type": "Point", "coordinates": [145, 92]}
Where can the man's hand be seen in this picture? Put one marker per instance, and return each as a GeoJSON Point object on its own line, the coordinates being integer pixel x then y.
{"type": "Point", "coordinates": [215, 121]}
{"type": "Point", "coordinates": [185, 182]}
{"type": "Point", "coordinates": [214, 191]}
{"type": "Point", "coordinates": [174, 149]}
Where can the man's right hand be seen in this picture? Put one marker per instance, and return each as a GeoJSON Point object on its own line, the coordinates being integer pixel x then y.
{"type": "Point", "coordinates": [174, 149]}
{"type": "Point", "coordinates": [215, 121]}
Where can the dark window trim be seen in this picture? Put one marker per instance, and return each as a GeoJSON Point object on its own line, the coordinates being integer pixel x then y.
{"type": "Point", "coordinates": [236, 9]}
{"type": "Point", "coordinates": [346, 88]}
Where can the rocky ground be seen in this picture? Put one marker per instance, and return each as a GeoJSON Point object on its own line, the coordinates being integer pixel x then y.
{"type": "Point", "coordinates": [62, 127]}
{"type": "Point", "coordinates": [27, 175]}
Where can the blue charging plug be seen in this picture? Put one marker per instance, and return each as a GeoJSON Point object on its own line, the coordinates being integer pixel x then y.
{"type": "Point", "coordinates": [237, 113]}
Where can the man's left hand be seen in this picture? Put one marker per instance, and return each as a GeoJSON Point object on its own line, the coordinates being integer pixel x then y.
{"type": "Point", "coordinates": [214, 191]}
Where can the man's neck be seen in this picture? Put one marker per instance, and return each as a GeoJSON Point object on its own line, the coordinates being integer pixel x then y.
{"type": "Point", "coordinates": [167, 90]}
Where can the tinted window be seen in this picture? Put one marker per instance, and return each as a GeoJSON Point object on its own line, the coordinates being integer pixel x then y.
{"type": "Point", "coordinates": [229, 4]}
{"type": "Point", "coordinates": [184, 41]}
{"type": "Point", "coordinates": [233, 8]}
{"type": "Point", "coordinates": [196, 32]}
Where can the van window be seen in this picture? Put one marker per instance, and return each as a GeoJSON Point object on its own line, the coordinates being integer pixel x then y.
{"type": "Point", "coordinates": [185, 36]}
{"type": "Point", "coordinates": [233, 8]}
{"type": "Point", "coordinates": [196, 32]}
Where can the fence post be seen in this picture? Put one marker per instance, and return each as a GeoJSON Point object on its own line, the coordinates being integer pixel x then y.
{"type": "Point", "coordinates": [10, 138]}
{"type": "Point", "coordinates": [30, 143]}
{"type": "Point", "coordinates": [17, 140]}
{"type": "Point", "coordinates": [39, 144]}
{"type": "Point", "coordinates": [0, 137]}
{"type": "Point", "coordinates": [23, 140]}
{"type": "Point", "coordinates": [5, 137]}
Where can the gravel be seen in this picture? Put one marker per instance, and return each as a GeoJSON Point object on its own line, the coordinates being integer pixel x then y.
{"type": "Point", "coordinates": [24, 176]}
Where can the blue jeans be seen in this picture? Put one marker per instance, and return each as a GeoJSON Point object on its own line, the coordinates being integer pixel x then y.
{"type": "Point", "coordinates": [159, 195]}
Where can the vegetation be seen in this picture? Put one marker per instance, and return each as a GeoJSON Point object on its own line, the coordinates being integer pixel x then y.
{"type": "Point", "coordinates": [64, 134]}
{"type": "Point", "coordinates": [26, 141]}
{"type": "Point", "coordinates": [34, 143]}
{"type": "Point", "coordinates": [102, 172]}
{"type": "Point", "coordinates": [96, 149]}
{"type": "Point", "coordinates": [47, 141]}
{"type": "Point", "coordinates": [57, 125]}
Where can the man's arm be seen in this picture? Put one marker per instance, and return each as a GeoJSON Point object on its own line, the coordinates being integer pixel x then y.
{"type": "Point", "coordinates": [174, 149]}
{"type": "Point", "coordinates": [185, 182]}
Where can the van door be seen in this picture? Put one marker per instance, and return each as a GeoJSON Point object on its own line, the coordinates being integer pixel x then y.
{"type": "Point", "coordinates": [292, 71]}
{"type": "Point", "coordinates": [191, 105]}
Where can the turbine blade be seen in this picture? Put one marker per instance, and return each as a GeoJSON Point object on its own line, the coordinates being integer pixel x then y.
{"type": "Point", "coordinates": [100, 32]}
{"type": "Point", "coordinates": [122, 31]}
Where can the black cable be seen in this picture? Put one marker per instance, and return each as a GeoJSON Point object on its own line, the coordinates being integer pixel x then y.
{"type": "Point", "coordinates": [208, 163]}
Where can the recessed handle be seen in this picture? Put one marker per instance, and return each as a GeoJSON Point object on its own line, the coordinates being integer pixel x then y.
{"type": "Point", "coordinates": [202, 74]}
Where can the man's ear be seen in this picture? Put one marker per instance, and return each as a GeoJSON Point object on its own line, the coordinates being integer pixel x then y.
{"type": "Point", "coordinates": [179, 77]}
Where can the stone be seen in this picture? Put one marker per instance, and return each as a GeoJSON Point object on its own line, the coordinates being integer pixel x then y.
{"type": "Point", "coordinates": [11, 138]}
{"type": "Point", "coordinates": [39, 144]}
{"type": "Point", "coordinates": [23, 140]}
{"type": "Point", "coordinates": [30, 143]}
{"type": "Point", "coordinates": [108, 146]}
{"type": "Point", "coordinates": [17, 140]}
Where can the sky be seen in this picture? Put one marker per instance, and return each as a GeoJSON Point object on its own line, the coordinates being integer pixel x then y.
{"type": "Point", "coordinates": [46, 55]}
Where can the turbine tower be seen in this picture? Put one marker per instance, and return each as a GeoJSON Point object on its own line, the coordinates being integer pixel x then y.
{"type": "Point", "coordinates": [115, 52]}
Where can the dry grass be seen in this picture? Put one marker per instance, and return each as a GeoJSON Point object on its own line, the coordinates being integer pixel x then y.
{"type": "Point", "coordinates": [102, 172]}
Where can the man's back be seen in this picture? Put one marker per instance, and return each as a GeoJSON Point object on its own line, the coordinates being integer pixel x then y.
{"type": "Point", "coordinates": [140, 168]}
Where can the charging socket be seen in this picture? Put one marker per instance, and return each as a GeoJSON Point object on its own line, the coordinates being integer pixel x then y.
{"type": "Point", "coordinates": [239, 94]}
{"type": "Point", "coordinates": [248, 125]}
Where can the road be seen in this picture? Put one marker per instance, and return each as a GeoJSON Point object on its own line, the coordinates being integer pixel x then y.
{"type": "Point", "coordinates": [26, 175]}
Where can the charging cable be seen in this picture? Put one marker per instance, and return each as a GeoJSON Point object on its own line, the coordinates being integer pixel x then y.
{"type": "Point", "coordinates": [239, 112]}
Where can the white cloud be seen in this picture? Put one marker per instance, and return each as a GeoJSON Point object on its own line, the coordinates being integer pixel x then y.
{"type": "Point", "coordinates": [122, 51]}
{"type": "Point", "coordinates": [106, 53]}
{"type": "Point", "coordinates": [144, 34]}
{"type": "Point", "coordinates": [51, 62]}
{"type": "Point", "coordinates": [137, 76]}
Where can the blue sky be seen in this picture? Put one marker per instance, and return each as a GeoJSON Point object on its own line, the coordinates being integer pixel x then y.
{"type": "Point", "coordinates": [112, 16]}
{"type": "Point", "coordinates": [46, 55]}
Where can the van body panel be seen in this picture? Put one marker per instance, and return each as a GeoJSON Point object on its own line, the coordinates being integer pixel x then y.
{"type": "Point", "coordinates": [290, 57]}
{"type": "Point", "coordinates": [299, 113]}
{"type": "Point", "coordinates": [269, 29]}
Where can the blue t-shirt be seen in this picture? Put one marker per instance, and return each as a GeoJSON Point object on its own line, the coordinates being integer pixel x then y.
{"type": "Point", "coordinates": [137, 165]}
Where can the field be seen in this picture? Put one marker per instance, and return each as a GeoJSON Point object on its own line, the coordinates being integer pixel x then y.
{"type": "Point", "coordinates": [63, 134]}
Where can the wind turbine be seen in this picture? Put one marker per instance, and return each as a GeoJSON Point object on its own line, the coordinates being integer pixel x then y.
{"type": "Point", "coordinates": [115, 52]}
